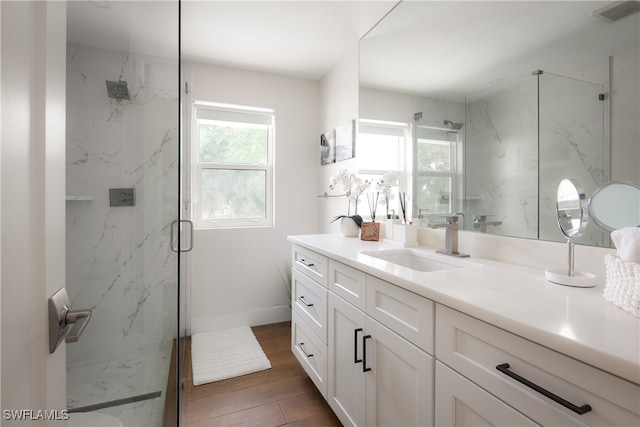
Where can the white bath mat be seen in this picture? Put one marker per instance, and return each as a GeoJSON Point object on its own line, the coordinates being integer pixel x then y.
{"type": "Point", "coordinates": [226, 353]}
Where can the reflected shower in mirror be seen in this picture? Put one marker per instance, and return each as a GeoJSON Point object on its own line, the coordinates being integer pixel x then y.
{"type": "Point", "coordinates": [524, 136]}
{"type": "Point", "coordinates": [520, 133]}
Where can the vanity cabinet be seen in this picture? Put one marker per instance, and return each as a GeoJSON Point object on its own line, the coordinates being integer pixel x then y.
{"type": "Point", "coordinates": [309, 314]}
{"type": "Point", "coordinates": [384, 356]}
{"type": "Point", "coordinates": [543, 385]}
{"type": "Point", "coordinates": [375, 375]}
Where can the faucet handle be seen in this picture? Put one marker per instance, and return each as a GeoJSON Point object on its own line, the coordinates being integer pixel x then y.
{"type": "Point", "coordinates": [451, 219]}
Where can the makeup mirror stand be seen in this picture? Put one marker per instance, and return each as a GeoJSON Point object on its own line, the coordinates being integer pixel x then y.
{"type": "Point", "coordinates": [571, 207]}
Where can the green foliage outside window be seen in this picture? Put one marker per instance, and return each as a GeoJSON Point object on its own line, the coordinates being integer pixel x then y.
{"type": "Point", "coordinates": [233, 190]}
{"type": "Point", "coordinates": [434, 176]}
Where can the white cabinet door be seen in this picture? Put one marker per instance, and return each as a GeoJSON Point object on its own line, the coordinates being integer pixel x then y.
{"type": "Point", "coordinates": [346, 381]}
{"type": "Point", "coordinates": [459, 402]}
{"type": "Point", "coordinates": [400, 382]}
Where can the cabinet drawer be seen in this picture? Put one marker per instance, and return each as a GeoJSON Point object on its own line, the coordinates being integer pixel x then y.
{"type": "Point", "coordinates": [309, 300]}
{"type": "Point", "coordinates": [409, 315]}
{"type": "Point", "coordinates": [310, 352]}
{"type": "Point", "coordinates": [348, 283]}
{"type": "Point", "coordinates": [459, 402]}
{"type": "Point", "coordinates": [476, 349]}
{"type": "Point", "coordinates": [310, 263]}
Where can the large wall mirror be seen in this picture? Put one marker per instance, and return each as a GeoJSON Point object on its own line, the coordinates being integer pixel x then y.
{"type": "Point", "coordinates": [503, 100]}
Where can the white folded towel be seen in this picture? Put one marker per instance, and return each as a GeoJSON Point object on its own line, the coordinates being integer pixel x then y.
{"type": "Point", "coordinates": [627, 241]}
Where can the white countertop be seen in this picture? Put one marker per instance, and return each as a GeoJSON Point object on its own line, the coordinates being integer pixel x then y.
{"type": "Point", "coordinates": [577, 322]}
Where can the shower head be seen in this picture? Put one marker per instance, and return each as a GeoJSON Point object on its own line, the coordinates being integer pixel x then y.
{"type": "Point", "coordinates": [452, 125]}
{"type": "Point", "coordinates": [118, 90]}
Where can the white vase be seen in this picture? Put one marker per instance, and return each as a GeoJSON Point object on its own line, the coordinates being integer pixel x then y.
{"type": "Point", "coordinates": [349, 227]}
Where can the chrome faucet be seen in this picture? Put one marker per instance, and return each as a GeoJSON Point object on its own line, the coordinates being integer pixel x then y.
{"type": "Point", "coordinates": [451, 236]}
{"type": "Point", "coordinates": [480, 222]}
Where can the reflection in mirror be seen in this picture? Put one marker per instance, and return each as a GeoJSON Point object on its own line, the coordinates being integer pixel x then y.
{"type": "Point", "coordinates": [489, 138]}
{"type": "Point", "coordinates": [616, 205]}
{"type": "Point", "coordinates": [523, 137]}
{"type": "Point", "coordinates": [571, 209]}
{"type": "Point", "coordinates": [571, 204]}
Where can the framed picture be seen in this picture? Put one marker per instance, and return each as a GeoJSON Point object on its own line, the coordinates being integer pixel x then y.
{"type": "Point", "coordinates": [328, 147]}
{"type": "Point", "coordinates": [346, 141]}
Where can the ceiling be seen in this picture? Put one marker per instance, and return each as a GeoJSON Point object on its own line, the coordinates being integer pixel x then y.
{"type": "Point", "coordinates": [444, 48]}
{"type": "Point", "coordinates": [449, 49]}
{"type": "Point", "coordinates": [295, 38]}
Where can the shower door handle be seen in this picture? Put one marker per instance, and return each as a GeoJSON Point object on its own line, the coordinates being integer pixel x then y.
{"type": "Point", "coordinates": [79, 319]}
{"type": "Point", "coordinates": [61, 317]}
{"type": "Point", "coordinates": [176, 226]}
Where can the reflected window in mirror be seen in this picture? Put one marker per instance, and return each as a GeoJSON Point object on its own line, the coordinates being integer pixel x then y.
{"type": "Point", "coordinates": [436, 172]}
{"type": "Point", "coordinates": [384, 147]}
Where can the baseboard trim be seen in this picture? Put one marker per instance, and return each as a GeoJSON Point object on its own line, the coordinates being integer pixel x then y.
{"type": "Point", "coordinates": [247, 318]}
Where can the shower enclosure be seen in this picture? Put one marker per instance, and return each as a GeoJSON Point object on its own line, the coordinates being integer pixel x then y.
{"type": "Point", "coordinates": [521, 138]}
{"type": "Point", "coordinates": [123, 163]}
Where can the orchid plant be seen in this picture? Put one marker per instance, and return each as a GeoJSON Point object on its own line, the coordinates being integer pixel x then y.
{"type": "Point", "coordinates": [353, 187]}
{"type": "Point", "coordinates": [385, 186]}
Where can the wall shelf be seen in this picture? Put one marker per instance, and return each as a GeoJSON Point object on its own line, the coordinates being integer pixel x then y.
{"type": "Point", "coordinates": [79, 198]}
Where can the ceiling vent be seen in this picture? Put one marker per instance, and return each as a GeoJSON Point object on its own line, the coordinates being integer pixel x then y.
{"type": "Point", "coordinates": [617, 10]}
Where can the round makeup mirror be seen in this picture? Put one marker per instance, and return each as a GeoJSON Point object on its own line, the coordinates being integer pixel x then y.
{"type": "Point", "coordinates": [616, 205]}
{"type": "Point", "coordinates": [571, 208]}
{"type": "Point", "coordinates": [572, 211]}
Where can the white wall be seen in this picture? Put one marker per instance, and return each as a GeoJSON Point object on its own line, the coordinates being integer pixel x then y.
{"type": "Point", "coordinates": [339, 100]}
{"type": "Point", "coordinates": [236, 274]}
{"type": "Point", "coordinates": [625, 110]}
{"type": "Point", "coordinates": [388, 106]}
{"type": "Point", "coordinates": [33, 110]}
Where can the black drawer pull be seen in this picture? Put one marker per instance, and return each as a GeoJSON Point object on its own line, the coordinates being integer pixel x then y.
{"type": "Point", "coordinates": [301, 298]}
{"type": "Point", "coordinates": [301, 345]}
{"type": "Point", "coordinates": [364, 353]}
{"type": "Point", "coordinates": [308, 264]}
{"type": "Point", "coordinates": [355, 346]}
{"type": "Point", "coordinates": [504, 368]}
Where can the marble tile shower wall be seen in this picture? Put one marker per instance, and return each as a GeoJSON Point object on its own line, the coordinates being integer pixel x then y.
{"type": "Point", "coordinates": [502, 178]}
{"type": "Point", "coordinates": [513, 176]}
{"type": "Point", "coordinates": [119, 260]}
{"type": "Point", "coordinates": [572, 145]}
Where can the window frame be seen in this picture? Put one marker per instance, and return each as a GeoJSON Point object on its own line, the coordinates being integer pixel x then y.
{"type": "Point", "coordinates": [439, 136]}
{"type": "Point", "coordinates": [402, 131]}
{"type": "Point", "coordinates": [208, 111]}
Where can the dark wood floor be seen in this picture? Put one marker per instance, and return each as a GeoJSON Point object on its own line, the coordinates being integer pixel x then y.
{"type": "Point", "coordinates": [282, 395]}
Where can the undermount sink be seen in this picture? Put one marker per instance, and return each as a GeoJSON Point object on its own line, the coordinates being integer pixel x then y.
{"type": "Point", "coordinates": [419, 260]}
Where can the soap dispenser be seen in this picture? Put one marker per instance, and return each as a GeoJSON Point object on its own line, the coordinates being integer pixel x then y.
{"type": "Point", "coordinates": [423, 221]}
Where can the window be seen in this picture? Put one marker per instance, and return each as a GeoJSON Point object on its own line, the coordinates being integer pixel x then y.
{"type": "Point", "coordinates": [233, 166]}
{"type": "Point", "coordinates": [435, 171]}
{"type": "Point", "coordinates": [382, 148]}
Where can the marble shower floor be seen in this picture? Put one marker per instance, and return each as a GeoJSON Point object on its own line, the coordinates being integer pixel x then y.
{"type": "Point", "coordinates": [94, 381]}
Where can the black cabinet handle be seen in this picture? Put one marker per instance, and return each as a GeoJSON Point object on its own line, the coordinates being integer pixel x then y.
{"type": "Point", "coordinates": [301, 345]}
{"type": "Point", "coordinates": [504, 368]}
{"type": "Point", "coordinates": [301, 298]}
{"type": "Point", "coordinates": [364, 353]}
{"type": "Point", "coordinates": [355, 345]}
{"type": "Point", "coordinates": [306, 263]}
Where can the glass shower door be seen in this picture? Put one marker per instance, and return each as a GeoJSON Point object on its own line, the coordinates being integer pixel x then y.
{"type": "Point", "coordinates": [573, 144]}
{"type": "Point", "coordinates": [122, 197]}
